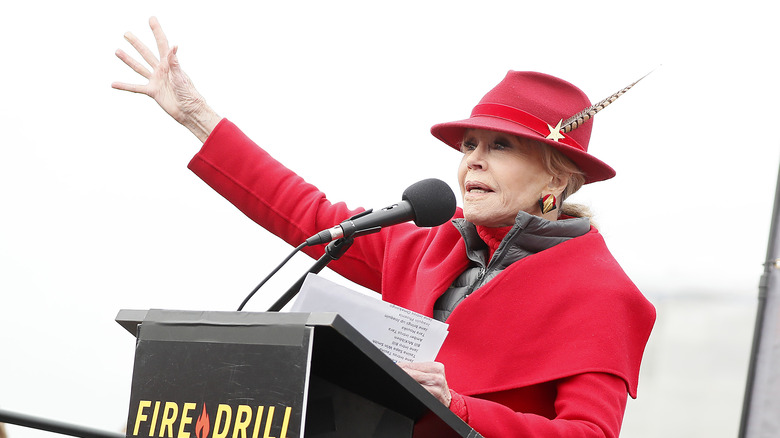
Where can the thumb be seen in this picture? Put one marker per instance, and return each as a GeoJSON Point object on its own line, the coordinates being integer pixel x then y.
{"type": "Point", "coordinates": [173, 60]}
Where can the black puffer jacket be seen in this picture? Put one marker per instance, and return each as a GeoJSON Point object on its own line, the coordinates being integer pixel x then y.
{"type": "Point", "coordinates": [529, 235]}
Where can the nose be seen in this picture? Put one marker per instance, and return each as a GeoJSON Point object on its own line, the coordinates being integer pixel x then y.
{"type": "Point", "coordinates": [476, 159]}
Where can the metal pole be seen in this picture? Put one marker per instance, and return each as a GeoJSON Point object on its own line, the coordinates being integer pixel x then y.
{"type": "Point", "coordinates": [54, 426]}
{"type": "Point", "coordinates": [759, 408]}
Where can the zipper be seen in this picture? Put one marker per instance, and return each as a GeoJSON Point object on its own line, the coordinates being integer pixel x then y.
{"type": "Point", "coordinates": [475, 284]}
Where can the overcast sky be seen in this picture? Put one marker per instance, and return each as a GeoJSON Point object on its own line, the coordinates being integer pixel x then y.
{"type": "Point", "coordinates": [99, 212]}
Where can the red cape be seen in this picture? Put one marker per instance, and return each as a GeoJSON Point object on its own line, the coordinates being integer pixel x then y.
{"type": "Point", "coordinates": [564, 311]}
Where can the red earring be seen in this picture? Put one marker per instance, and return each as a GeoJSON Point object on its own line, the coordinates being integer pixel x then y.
{"type": "Point", "coordinates": [548, 203]}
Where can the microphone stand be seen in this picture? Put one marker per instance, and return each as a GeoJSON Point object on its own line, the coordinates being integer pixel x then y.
{"type": "Point", "coordinates": [333, 251]}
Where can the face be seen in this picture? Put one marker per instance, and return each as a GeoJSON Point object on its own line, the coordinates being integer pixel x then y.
{"type": "Point", "coordinates": [501, 174]}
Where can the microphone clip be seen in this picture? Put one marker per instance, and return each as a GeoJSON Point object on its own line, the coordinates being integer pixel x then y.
{"type": "Point", "coordinates": [345, 229]}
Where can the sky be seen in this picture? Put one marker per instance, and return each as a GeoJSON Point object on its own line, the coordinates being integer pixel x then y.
{"type": "Point", "coordinates": [99, 213]}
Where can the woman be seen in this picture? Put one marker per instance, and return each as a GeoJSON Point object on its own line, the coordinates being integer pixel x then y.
{"type": "Point", "coordinates": [546, 332]}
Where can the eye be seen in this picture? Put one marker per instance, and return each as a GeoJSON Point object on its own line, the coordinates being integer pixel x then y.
{"type": "Point", "coordinates": [467, 146]}
{"type": "Point", "coordinates": [501, 145]}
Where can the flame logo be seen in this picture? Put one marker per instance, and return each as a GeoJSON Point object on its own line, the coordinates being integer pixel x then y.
{"type": "Point", "coordinates": [203, 426]}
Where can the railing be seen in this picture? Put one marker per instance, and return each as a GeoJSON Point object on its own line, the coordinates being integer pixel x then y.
{"type": "Point", "coordinates": [54, 426]}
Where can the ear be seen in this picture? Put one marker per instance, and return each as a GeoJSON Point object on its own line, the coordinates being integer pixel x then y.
{"type": "Point", "coordinates": [558, 184]}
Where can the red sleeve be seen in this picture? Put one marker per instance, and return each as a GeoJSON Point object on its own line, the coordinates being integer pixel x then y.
{"type": "Point", "coordinates": [587, 405]}
{"type": "Point", "coordinates": [281, 201]}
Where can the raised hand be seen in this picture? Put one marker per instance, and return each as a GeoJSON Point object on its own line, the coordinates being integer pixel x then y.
{"type": "Point", "coordinates": [168, 85]}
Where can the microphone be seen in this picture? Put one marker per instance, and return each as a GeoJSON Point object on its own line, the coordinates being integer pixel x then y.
{"type": "Point", "coordinates": [428, 203]}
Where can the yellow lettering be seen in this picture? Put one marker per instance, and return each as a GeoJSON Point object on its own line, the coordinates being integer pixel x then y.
{"type": "Point", "coordinates": [222, 411]}
{"type": "Point", "coordinates": [185, 419]}
{"type": "Point", "coordinates": [243, 418]}
{"type": "Point", "coordinates": [169, 417]}
{"type": "Point", "coordinates": [154, 417]}
{"type": "Point", "coordinates": [258, 421]}
{"type": "Point", "coordinates": [285, 423]}
{"type": "Point", "coordinates": [268, 422]}
{"type": "Point", "coordinates": [140, 416]}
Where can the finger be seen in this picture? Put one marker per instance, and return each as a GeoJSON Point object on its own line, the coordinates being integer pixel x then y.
{"type": "Point", "coordinates": [132, 63]}
{"type": "Point", "coordinates": [173, 61]}
{"type": "Point", "coordinates": [159, 36]}
{"type": "Point", "coordinates": [142, 49]}
{"type": "Point", "coordinates": [425, 378]}
{"type": "Point", "coordinates": [133, 88]}
{"type": "Point", "coordinates": [427, 367]}
{"type": "Point", "coordinates": [430, 380]}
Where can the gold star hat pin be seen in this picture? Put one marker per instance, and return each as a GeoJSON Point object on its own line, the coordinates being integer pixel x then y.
{"type": "Point", "coordinates": [575, 121]}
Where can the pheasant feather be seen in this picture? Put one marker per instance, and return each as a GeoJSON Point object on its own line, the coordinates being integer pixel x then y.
{"type": "Point", "coordinates": [583, 116]}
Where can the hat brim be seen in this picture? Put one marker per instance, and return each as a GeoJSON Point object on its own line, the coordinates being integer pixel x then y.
{"type": "Point", "coordinates": [451, 133]}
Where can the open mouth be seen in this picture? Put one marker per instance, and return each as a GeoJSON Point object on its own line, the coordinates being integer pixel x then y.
{"type": "Point", "coordinates": [477, 187]}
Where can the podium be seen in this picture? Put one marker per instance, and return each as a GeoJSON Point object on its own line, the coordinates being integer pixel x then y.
{"type": "Point", "coordinates": [271, 375]}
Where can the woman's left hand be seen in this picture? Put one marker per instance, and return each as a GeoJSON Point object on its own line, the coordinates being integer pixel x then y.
{"type": "Point", "coordinates": [431, 376]}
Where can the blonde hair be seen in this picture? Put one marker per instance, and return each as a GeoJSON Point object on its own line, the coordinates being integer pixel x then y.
{"type": "Point", "coordinates": [558, 164]}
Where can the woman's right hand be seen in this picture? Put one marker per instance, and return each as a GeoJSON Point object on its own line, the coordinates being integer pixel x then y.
{"type": "Point", "coordinates": [168, 85]}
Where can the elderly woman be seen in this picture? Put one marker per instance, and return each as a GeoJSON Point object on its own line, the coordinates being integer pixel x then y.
{"type": "Point", "coordinates": [546, 332]}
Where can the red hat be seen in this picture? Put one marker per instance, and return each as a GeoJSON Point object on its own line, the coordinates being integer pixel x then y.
{"type": "Point", "coordinates": [532, 105]}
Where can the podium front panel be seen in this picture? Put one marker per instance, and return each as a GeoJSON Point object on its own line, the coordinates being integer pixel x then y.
{"type": "Point", "coordinates": [189, 381]}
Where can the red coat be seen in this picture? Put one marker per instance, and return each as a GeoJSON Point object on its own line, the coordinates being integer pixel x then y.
{"type": "Point", "coordinates": [549, 347]}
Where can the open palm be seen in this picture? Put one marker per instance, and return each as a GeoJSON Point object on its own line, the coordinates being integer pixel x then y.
{"type": "Point", "coordinates": [168, 85]}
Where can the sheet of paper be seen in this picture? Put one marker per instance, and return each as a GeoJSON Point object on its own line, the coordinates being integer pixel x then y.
{"type": "Point", "coordinates": [403, 335]}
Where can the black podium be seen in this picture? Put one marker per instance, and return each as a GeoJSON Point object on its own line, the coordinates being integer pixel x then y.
{"type": "Point", "coordinates": [271, 375]}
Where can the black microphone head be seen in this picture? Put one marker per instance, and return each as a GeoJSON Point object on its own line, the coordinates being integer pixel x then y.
{"type": "Point", "coordinates": [432, 201]}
